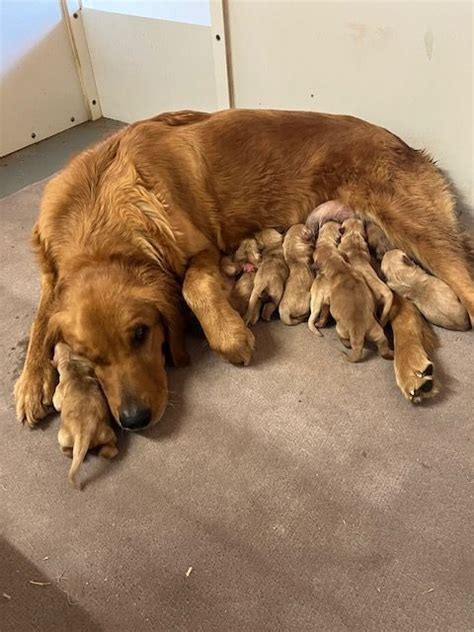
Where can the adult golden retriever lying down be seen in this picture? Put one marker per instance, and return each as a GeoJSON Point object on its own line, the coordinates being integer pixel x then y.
{"type": "Point", "coordinates": [136, 222]}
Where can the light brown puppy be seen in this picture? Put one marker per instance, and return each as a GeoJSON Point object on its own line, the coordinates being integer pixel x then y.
{"type": "Point", "coordinates": [434, 298]}
{"type": "Point", "coordinates": [85, 416]}
{"type": "Point", "coordinates": [378, 240]}
{"type": "Point", "coordinates": [239, 271]}
{"type": "Point", "coordinates": [294, 306]}
{"type": "Point", "coordinates": [354, 246]}
{"type": "Point", "coordinates": [270, 278]}
{"type": "Point", "coordinates": [351, 303]}
{"type": "Point", "coordinates": [332, 211]}
{"type": "Point", "coordinates": [328, 239]}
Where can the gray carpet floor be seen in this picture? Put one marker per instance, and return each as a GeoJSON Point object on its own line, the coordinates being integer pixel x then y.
{"type": "Point", "coordinates": [305, 492]}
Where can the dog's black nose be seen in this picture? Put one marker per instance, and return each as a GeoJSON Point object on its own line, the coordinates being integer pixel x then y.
{"type": "Point", "coordinates": [134, 417]}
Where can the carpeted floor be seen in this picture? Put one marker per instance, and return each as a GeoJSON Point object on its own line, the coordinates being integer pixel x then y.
{"type": "Point", "coordinates": [303, 491]}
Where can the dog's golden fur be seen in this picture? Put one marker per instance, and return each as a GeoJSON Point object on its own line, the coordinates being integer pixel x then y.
{"type": "Point", "coordinates": [294, 306]}
{"type": "Point", "coordinates": [131, 220]}
{"type": "Point", "coordinates": [354, 246]}
{"type": "Point", "coordinates": [85, 416]}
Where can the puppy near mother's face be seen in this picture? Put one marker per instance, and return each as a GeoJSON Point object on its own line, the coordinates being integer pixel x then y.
{"type": "Point", "coordinates": [121, 324]}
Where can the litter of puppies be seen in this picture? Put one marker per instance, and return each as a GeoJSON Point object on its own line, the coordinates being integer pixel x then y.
{"type": "Point", "coordinates": [335, 266]}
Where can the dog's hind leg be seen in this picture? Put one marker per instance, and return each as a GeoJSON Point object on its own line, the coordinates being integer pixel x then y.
{"type": "Point", "coordinates": [414, 341]}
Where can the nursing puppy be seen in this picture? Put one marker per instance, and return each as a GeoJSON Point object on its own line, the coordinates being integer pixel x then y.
{"type": "Point", "coordinates": [270, 277]}
{"type": "Point", "coordinates": [85, 416]}
{"type": "Point", "coordinates": [354, 246]}
{"type": "Point", "coordinates": [294, 306]}
{"type": "Point", "coordinates": [378, 241]}
{"type": "Point", "coordinates": [240, 273]}
{"type": "Point", "coordinates": [328, 239]}
{"type": "Point", "coordinates": [334, 210]}
{"type": "Point", "coordinates": [351, 303]}
{"type": "Point", "coordinates": [434, 298]}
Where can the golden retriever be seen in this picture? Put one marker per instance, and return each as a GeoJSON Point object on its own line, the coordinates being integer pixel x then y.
{"type": "Point", "coordinates": [135, 223]}
{"type": "Point", "coordinates": [85, 416]}
{"type": "Point", "coordinates": [354, 246]}
{"type": "Point", "coordinates": [294, 305]}
{"type": "Point", "coordinates": [270, 277]}
{"type": "Point", "coordinates": [320, 296]}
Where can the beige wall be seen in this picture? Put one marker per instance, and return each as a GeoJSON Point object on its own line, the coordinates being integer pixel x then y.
{"type": "Point", "coordinates": [144, 66]}
{"type": "Point", "coordinates": [405, 65]}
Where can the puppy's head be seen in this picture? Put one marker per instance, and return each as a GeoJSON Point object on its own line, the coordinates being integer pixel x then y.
{"type": "Point", "coordinates": [119, 317]}
{"type": "Point", "coordinates": [268, 239]}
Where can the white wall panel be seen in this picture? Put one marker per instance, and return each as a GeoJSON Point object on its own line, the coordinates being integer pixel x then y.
{"type": "Point", "coordinates": [405, 65]}
{"type": "Point", "coordinates": [40, 92]}
{"type": "Point", "coordinates": [143, 66]}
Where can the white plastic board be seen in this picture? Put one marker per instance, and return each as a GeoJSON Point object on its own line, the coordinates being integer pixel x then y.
{"type": "Point", "coordinates": [144, 66]}
{"type": "Point", "coordinates": [40, 92]}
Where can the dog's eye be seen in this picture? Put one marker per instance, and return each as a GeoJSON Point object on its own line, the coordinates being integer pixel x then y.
{"type": "Point", "coordinates": [140, 334]}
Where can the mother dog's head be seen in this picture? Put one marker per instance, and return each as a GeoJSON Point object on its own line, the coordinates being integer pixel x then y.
{"type": "Point", "coordinates": [120, 314]}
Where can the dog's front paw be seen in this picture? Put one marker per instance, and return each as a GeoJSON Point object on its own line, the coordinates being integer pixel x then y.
{"type": "Point", "coordinates": [33, 392]}
{"type": "Point", "coordinates": [237, 345]}
{"type": "Point", "coordinates": [414, 373]}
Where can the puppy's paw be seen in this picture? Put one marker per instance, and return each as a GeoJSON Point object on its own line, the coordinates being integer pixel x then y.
{"type": "Point", "coordinates": [414, 373]}
{"type": "Point", "coordinates": [108, 451]}
{"type": "Point", "coordinates": [33, 393]}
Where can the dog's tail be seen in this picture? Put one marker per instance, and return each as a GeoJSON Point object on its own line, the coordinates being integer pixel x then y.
{"type": "Point", "coordinates": [387, 306]}
{"type": "Point", "coordinates": [79, 451]}
{"type": "Point", "coordinates": [357, 347]}
{"type": "Point", "coordinates": [312, 323]}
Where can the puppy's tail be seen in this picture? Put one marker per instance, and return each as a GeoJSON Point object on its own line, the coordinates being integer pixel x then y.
{"type": "Point", "coordinates": [357, 348]}
{"type": "Point", "coordinates": [79, 451]}
{"type": "Point", "coordinates": [312, 323]}
{"type": "Point", "coordinates": [387, 306]}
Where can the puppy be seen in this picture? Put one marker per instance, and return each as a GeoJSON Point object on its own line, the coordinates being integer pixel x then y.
{"type": "Point", "coordinates": [334, 210]}
{"type": "Point", "coordinates": [435, 299]}
{"type": "Point", "coordinates": [270, 277]}
{"type": "Point", "coordinates": [328, 237]}
{"type": "Point", "coordinates": [294, 306]}
{"type": "Point", "coordinates": [239, 273]}
{"type": "Point", "coordinates": [354, 246]}
{"type": "Point", "coordinates": [378, 240]}
{"type": "Point", "coordinates": [85, 417]}
{"type": "Point", "coordinates": [351, 303]}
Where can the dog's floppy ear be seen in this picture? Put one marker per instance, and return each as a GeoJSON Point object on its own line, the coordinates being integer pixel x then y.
{"type": "Point", "coordinates": [170, 306]}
